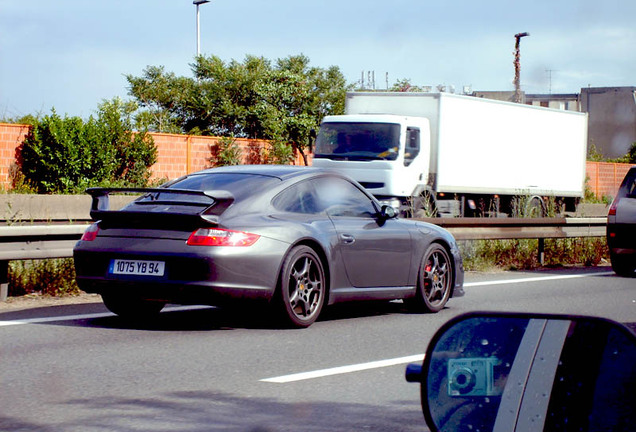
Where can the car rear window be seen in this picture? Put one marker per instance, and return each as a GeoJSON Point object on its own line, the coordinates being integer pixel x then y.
{"type": "Point", "coordinates": [240, 185]}
{"type": "Point", "coordinates": [628, 187]}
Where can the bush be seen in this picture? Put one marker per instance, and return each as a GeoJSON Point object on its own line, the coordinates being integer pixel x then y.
{"type": "Point", "coordinates": [522, 254]}
{"type": "Point", "coordinates": [227, 152]}
{"type": "Point", "coordinates": [67, 154]}
{"type": "Point", "coordinates": [54, 277]}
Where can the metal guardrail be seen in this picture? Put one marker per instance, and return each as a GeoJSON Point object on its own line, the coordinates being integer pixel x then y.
{"type": "Point", "coordinates": [35, 242]}
{"type": "Point", "coordinates": [57, 241]}
{"type": "Point", "coordinates": [512, 228]}
{"type": "Point", "coordinates": [524, 228]}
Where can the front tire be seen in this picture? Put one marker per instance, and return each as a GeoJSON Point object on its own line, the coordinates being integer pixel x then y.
{"type": "Point", "coordinates": [434, 281]}
{"type": "Point", "coordinates": [131, 307]}
{"type": "Point", "coordinates": [302, 291]}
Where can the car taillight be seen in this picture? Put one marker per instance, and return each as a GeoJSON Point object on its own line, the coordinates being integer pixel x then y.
{"type": "Point", "coordinates": [221, 237]}
{"type": "Point", "coordinates": [91, 233]}
{"type": "Point", "coordinates": [612, 209]}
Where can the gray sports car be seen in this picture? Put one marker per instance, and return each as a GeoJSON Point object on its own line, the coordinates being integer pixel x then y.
{"type": "Point", "coordinates": [297, 238]}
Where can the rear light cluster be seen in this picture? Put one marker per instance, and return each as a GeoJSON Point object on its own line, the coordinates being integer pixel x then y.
{"type": "Point", "coordinates": [221, 237]}
{"type": "Point", "coordinates": [91, 233]}
{"type": "Point", "coordinates": [612, 209]}
{"type": "Point", "coordinates": [201, 237]}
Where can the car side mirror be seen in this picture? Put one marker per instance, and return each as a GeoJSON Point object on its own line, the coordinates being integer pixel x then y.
{"type": "Point", "coordinates": [497, 372]}
{"type": "Point", "coordinates": [388, 212]}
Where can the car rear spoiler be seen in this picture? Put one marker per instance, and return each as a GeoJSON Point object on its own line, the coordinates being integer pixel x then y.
{"type": "Point", "coordinates": [219, 201]}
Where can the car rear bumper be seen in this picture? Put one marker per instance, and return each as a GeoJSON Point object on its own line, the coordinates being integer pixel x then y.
{"type": "Point", "coordinates": [621, 238]}
{"type": "Point", "coordinates": [193, 274]}
{"type": "Point", "coordinates": [200, 292]}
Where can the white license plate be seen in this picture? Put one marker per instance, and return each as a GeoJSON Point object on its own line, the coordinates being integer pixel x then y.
{"type": "Point", "coordinates": [137, 267]}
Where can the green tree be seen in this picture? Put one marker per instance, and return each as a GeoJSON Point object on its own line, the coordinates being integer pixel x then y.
{"type": "Point", "coordinates": [404, 85]}
{"type": "Point", "coordinates": [281, 102]}
{"type": "Point", "coordinates": [294, 99]}
{"type": "Point", "coordinates": [68, 154]}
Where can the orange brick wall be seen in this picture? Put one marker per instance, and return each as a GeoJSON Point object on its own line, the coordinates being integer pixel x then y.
{"type": "Point", "coordinates": [604, 178]}
{"type": "Point", "coordinates": [182, 154]}
{"type": "Point", "coordinates": [11, 136]}
{"type": "Point", "coordinates": [177, 155]}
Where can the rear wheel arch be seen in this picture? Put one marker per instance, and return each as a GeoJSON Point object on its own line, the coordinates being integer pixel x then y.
{"type": "Point", "coordinates": [318, 249]}
{"type": "Point", "coordinates": [301, 290]}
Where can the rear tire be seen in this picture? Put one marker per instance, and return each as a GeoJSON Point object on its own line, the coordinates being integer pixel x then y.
{"type": "Point", "coordinates": [434, 281]}
{"type": "Point", "coordinates": [623, 265]}
{"type": "Point", "coordinates": [301, 288]}
{"type": "Point", "coordinates": [130, 307]}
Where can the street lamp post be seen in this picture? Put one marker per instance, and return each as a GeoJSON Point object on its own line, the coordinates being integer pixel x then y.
{"type": "Point", "coordinates": [517, 63]}
{"type": "Point", "coordinates": [198, 3]}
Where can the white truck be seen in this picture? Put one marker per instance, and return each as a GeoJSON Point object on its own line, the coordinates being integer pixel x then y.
{"type": "Point", "coordinates": [448, 155]}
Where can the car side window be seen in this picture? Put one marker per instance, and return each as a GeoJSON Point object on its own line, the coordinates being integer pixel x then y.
{"type": "Point", "coordinates": [299, 198]}
{"type": "Point", "coordinates": [341, 198]}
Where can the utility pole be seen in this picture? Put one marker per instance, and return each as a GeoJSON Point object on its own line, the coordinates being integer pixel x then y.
{"type": "Point", "coordinates": [517, 63]}
{"type": "Point", "coordinates": [199, 3]}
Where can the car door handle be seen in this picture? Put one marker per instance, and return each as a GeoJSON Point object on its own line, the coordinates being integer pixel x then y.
{"type": "Point", "coordinates": [347, 238]}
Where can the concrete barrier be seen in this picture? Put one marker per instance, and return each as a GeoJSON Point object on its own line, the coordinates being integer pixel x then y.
{"type": "Point", "coordinates": [25, 209]}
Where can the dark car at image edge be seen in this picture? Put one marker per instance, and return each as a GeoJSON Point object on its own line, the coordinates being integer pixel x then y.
{"type": "Point", "coordinates": [293, 238]}
{"type": "Point", "coordinates": [621, 227]}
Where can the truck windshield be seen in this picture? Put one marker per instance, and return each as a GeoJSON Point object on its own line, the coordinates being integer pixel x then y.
{"type": "Point", "coordinates": [358, 141]}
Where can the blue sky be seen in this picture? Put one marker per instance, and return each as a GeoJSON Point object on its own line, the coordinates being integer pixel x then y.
{"type": "Point", "coordinates": [72, 54]}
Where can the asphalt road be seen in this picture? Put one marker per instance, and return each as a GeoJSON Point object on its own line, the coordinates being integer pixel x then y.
{"type": "Point", "coordinates": [79, 368]}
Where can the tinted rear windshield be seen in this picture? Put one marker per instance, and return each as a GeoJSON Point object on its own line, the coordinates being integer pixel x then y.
{"type": "Point", "coordinates": [239, 185]}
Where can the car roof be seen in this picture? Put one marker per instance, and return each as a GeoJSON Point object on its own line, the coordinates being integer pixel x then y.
{"type": "Point", "coordinates": [282, 172]}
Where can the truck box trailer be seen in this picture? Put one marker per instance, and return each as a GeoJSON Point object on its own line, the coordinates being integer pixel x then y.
{"type": "Point", "coordinates": [456, 155]}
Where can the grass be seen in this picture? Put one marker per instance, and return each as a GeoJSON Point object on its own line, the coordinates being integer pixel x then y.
{"type": "Point", "coordinates": [52, 277]}
{"type": "Point", "coordinates": [56, 277]}
{"type": "Point", "coordinates": [486, 255]}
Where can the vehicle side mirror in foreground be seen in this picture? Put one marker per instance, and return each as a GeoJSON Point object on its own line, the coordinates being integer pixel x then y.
{"type": "Point", "coordinates": [495, 372]}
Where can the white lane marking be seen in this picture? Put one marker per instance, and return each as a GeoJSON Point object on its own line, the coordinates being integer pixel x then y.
{"type": "Point", "coordinates": [344, 369]}
{"type": "Point", "coordinates": [87, 316]}
{"type": "Point", "coordinates": [52, 319]}
{"type": "Point", "coordinates": [402, 360]}
{"type": "Point", "coordinates": [536, 279]}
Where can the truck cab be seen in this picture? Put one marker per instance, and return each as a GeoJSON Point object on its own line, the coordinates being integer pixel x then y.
{"type": "Point", "coordinates": [388, 154]}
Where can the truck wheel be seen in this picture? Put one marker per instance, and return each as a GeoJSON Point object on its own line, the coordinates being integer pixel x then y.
{"type": "Point", "coordinates": [301, 289]}
{"type": "Point", "coordinates": [424, 206]}
{"type": "Point", "coordinates": [434, 281]}
{"type": "Point", "coordinates": [535, 208]}
{"type": "Point", "coordinates": [129, 307]}
{"type": "Point", "coordinates": [623, 265]}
